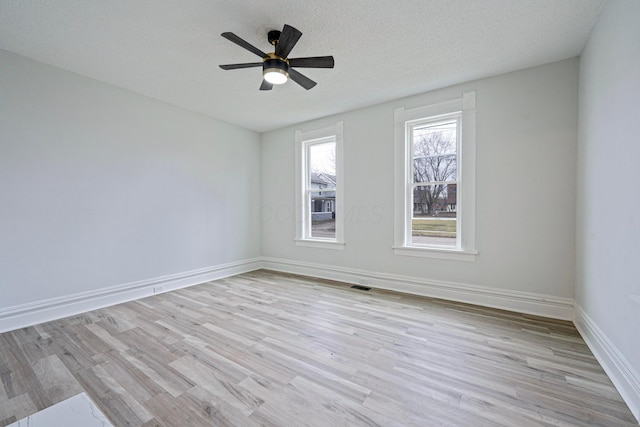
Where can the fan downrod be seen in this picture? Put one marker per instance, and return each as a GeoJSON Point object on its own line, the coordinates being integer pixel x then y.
{"type": "Point", "coordinates": [273, 36]}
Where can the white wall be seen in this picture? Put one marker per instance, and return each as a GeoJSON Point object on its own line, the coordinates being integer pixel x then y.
{"type": "Point", "coordinates": [526, 148]}
{"type": "Point", "coordinates": [608, 207]}
{"type": "Point", "coordinates": [102, 187]}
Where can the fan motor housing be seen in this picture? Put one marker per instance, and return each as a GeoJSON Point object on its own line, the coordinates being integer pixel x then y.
{"type": "Point", "coordinates": [275, 63]}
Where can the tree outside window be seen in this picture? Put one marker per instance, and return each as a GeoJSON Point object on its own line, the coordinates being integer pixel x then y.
{"type": "Point", "coordinates": [434, 184]}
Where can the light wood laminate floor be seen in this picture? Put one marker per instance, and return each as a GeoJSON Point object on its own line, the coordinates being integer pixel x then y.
{"type": "Point", "coordinates": [270, 349]}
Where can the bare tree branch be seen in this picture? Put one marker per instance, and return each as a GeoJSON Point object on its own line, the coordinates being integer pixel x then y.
{"type": "Point", "coordinates": [434, 160]}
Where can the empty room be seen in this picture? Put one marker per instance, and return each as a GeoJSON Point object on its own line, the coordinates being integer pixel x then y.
{"type": "Point", "coordinates": [337, 213]}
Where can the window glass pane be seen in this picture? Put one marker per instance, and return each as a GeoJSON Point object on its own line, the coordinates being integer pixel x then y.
{"type": "Point", "coordinates": [323, 214]}
{"type": "Point", "coordinates": [435, 139]}
{"type": "Point", "coordinates": [435, 215]}
{"type": "Point", "coordinates": [436, 168]}
{"type": "Point", "coordinates": [322, 159]}
{"type": "Point", "coordinates": [434, 152]}
{"type": "Point", "coordinates": [322, 184]}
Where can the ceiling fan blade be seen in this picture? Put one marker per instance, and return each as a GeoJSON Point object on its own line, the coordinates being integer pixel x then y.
{"type": "Point", "coordinates": [288, 39]}
{"type": "Point", "coordinates": [312, 62]}
{"type": "Point", "coordinates": [266, 85]}
{"type": "Point", "coordinates": [237, 40]}
{"type": "Point", "coordinates": [301, 79]}
{"type": "Point", "coordinates": [237, 66]}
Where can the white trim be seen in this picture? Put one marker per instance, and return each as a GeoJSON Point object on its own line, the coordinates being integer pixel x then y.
{"type": "Point", "coordinates": [432, 252]}
{"type": "Point", "coordinates": [339, 129]}
{"type": "Point", "coordinates": [624, 377]}
{"type": "Point", "coordinates": [302, 208]}
{"type": "Point", "coordinates": [466, 190]}
{"type": "Point", "coordinates": [399, 171]}
{"type": "Point", "coordinates": [522, 302]}
{"type": "Point", "coordinates": [467, 154]}
{"type": "Point", "coordinates": [56, 308]}
{"type": "Point", "coordinates": [437, 109]}
{"type": "Point", "coordinates": [324, 244]}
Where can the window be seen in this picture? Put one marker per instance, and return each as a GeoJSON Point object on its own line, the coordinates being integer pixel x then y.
{"type": "Point", "coordinates": [435, 174]}
{"type": "Point", "coordinates": [319, 188]}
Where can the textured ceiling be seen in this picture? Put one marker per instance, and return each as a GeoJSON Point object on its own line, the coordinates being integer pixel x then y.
{"type": "Point", "coordinates": [170, 50]}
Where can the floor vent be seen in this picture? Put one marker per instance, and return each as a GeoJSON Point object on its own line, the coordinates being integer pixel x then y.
{"type": "Point", "coordinates": [361, 288]}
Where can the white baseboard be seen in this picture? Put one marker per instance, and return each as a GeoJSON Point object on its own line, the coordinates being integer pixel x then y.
{"type": "Point", "coordinates": [56, 308]}
{"type": "Point", "coordinates": [622, 374]}
{"type": "Point", "coordinates": [522, 302]}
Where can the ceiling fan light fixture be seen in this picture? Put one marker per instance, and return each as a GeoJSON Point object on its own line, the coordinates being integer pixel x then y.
{"type": "Point", "coordinates": [277, 67]}
{"type": "Point", "coordinates": [275, 71]}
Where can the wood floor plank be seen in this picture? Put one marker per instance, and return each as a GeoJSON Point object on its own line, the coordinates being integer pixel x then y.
{"type": "Point", "coordinates": [16, 408]}
{"type": "Point", "coordinates": [55, 379]}
{"type": "Point", "coordinates": [218, 386]}
{"type": "Point", "coordinates": [108, 396]}
{"type": "Point", "coordinates": [273, 349]}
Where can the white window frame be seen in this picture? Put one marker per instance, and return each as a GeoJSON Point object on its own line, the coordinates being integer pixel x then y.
{"type": "Point", "coordinates": [405, 120]}
{"type": "Point", "coordinates": [303, 208]}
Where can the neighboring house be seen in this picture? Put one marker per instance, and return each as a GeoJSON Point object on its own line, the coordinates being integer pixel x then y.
{"type": "Point", "coordinates": [323, 203]}
{"type": "Point", "coordinates": [452, 197]}
{"type": "Point", "coordinates": [445, 201]}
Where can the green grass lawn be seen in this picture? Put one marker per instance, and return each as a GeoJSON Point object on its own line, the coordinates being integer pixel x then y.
{"type": "Point", "coordinates": [433, 227]}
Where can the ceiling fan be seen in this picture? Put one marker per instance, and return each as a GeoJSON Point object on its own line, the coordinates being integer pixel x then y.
{"type": "Point", "coordinates": [277, 68]}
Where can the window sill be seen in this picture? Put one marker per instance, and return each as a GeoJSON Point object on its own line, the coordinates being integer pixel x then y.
{"type": "Point", "coordinates": [438, 253]}
{"type": "Point", "coordinates": [323, 244]}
